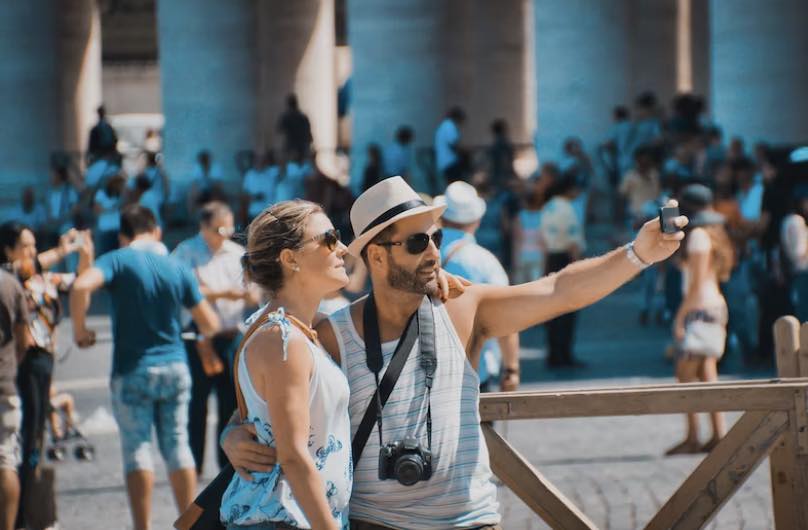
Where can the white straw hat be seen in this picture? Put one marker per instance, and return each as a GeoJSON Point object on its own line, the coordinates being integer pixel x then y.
{"type": "Point", "coordinates": [463, 205]}
{"type": "Point", "coordinates": [383, 204]}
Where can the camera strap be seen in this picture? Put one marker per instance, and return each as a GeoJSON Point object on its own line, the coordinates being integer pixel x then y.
{"type": "Point", "coordinates": [420, 321]}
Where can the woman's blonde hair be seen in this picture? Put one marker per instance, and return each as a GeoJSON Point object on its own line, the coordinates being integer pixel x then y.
{"type": "Point", "coordinates": [278, 227]}
{"type": "Point", "coordinates": [722, 255]}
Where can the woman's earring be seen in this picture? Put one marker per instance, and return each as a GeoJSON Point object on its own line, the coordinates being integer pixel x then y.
{"type": "Point", "coordinates": [296, 268]}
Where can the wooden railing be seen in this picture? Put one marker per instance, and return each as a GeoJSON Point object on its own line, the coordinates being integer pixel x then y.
{"type": "Point", "coordinates": [774, 422]}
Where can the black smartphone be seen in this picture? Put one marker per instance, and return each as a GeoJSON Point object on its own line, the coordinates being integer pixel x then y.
{"type": "Point", "coordinates": [666, 216]}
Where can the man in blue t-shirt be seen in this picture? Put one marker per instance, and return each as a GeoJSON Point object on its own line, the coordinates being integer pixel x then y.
{"type": "Point", "coordinates": [151, 383]}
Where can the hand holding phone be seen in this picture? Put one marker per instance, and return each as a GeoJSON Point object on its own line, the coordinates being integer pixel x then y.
{"type": "Point", "coordinates": [667, 215]}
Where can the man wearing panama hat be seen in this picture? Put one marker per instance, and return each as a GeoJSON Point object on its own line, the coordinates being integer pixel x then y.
{"type": "Point", "coordinates": [436, 408]}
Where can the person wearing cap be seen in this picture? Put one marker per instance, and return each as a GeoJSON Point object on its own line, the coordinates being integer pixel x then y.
{"type": "Point", "coordinates": [700, 327]}
{"type": "Point", "coordinates": [462, 256]}
{"type": "Point", "coordinates": [398, 237]}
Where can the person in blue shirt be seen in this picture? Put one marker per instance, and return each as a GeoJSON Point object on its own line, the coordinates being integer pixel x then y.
{"type": "Point", "coordinates": [151, 383]}
{"type": "Point", "coordinates": [462, 256]}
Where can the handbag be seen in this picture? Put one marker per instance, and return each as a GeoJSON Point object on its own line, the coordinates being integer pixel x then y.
{"type": "Point", "coordinates": [39, 501]}
{"type": "Point", "coordinates": [203, 513]}
{"type": "Point", "coordinates": [704, 338]}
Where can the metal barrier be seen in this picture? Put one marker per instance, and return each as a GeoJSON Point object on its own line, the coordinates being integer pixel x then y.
{"type": "Point", "coordinates": [775, 422]}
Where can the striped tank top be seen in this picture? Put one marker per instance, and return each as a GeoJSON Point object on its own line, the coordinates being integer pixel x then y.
{"type": "Point", "coordinates": [269, 497]}
{"type": "Point", "coordinates": [461, 492]}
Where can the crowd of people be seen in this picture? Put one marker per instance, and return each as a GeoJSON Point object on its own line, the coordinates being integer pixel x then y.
{"type": "Point", "coordinates": [179, 315]}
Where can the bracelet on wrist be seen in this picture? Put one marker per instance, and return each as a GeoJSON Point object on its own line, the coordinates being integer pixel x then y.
{"type": "Point", "coordinates": [635, 260]}
{"type": "Point", "coordinates": [510, 371]}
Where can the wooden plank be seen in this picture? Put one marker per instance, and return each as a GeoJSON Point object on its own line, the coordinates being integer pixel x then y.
{"type": "Point", "coordinates": [789, 483]}
{"type": "Point", "coordinates": [803, 350]}
{"type": "Point", "coordinates": [529, 485]}
{"type": "Point", "coordinates": [786, 346]}
{"type": "Point", "coordinates": [782, 467]}
{"type": "Point", "coordinates": [625, 402]}
{"type": "Point", "coordinates": [722, 472]}
{"type": "Point", "coordinates": [800, 423]}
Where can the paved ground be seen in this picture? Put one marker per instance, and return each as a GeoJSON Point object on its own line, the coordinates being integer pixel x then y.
{"type": "Point", "coordinates": [611, 467]}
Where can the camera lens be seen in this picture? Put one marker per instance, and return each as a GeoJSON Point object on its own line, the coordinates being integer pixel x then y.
{"type": "Point", "coordinates": [409, 469]}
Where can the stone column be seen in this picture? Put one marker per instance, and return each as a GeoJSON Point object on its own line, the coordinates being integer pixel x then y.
{"type": "Point", "coordinates": [399, 75]}
{"type": "Point", "coordinates": [207, 69]}
{"type": "Point", "coordinates": [582, 70]}
{"type": "Point", "coordinates": [653, 49]}
{"type": "Point", "coordinates": [492, 66]}
{"type": "Point", "coordinates": [760, 79]}
{"type": "Point", "coordinates": [29, 81]}
{"type": "Point", "coordinates": [80, 53]}
{"type": "Point", "coordinates": [413, 59]}
{"type": "Point", "coordinates": [700, 47]}
{"type": "Point", "coordinates": [296, 54]}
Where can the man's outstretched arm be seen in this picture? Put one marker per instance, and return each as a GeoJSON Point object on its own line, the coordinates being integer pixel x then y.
{"type": "Point", "coordinates": [505, 310]}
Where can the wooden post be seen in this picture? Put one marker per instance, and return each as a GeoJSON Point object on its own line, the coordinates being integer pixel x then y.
{"type": "Point", "coordinates": [788, 476]}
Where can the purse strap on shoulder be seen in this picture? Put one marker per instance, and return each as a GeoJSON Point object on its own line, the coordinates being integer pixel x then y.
{"type": "Point", "coordinates": [255, 326]}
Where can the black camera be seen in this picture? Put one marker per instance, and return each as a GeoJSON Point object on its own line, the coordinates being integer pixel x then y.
{"type": "Point", "coordinates": [406, 461]}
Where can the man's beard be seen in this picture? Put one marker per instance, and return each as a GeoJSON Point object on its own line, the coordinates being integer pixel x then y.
{"type": "Point", "coordinates": [404, 280]}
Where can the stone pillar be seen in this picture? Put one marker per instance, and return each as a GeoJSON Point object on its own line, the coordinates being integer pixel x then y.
{"type": "Point", "coordinates": [760, 79]}
{"type": "Point", "coordinates": [582, 70]}
{"type": "Point", "coordinates": [700, 47]}
{"type": "Point", "coordinates": [296, 54]}
{"type": "Point", "coordinates": [493, 68]}
{"type": "Point", "coordinates": [80, 53]}
{"type": "Point", "coordinates": [29, 81]}
{"type": "Point", "coordinates": [399, 75]}
{"type": "Point", "coordinates": [207, 69]}
{"type": "Point", "coordinates": [413, 59]}
{"type": "Point", "coordinates": [653, 49]}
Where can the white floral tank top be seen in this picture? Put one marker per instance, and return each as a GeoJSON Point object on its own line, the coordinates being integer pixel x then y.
{"type": "Point", "coordinates": [269, 498]}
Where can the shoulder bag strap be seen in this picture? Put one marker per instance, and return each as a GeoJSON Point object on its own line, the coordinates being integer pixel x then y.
{"type": "Point", "coordinates": [388, 382]}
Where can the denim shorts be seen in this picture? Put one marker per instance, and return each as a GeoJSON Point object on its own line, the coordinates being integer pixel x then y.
{"type": "Point", "coordinates": [153, 397]}
{"type": "Point", "coordinates": [10, 418]}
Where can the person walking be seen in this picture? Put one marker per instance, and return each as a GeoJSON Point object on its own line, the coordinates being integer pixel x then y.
{"type": "Point", "coordinates": [150, 382]}
{"type": "Point", "coordinates": [433, 411]}
{"type": "Point", "coordinates": [700, 327]}
{"type": "Point", "coordinates": [216, 262]}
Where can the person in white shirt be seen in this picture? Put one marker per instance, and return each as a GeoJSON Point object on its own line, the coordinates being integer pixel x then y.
{"type": "Point", "coordinates": [398, 155]}
{"type": "Point", "coordinates": [216, 263]}
{"type": "Point", "coordinates": [206, 181]}
{"type": "Point", "coordinates": [292, 183]}
{"type": "Point", "coordinates": [29, 212]}
{"type": "Point", "coordinates": [563, 234]}
{"type": "Point", "coordinates": [448, 159]}
{"type": "Point", "coordinates": [107, 204]}
{"type": "Point", "coordinates": [260, 185]}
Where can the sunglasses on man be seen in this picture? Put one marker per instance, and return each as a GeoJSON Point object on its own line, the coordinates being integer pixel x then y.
{"type": "Point", "coordinates": [417, 243]}
{"type": "Point", "coordinates": [329, 238]}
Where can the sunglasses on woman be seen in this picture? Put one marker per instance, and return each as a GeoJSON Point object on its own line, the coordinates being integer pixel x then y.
{"type": "Point", "coordinates": [330, 239]}
{"type": "Point", "coordinates": [417, 243]}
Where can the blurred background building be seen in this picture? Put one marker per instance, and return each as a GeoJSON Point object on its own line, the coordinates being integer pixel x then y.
{"type": "Point", "coordinates": [215, 75]}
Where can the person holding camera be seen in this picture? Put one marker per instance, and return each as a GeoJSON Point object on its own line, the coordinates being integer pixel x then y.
{"type": "Point", "coordinates": [42, 288]}
{"type": "Point", "coordinates": [403, 344]}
